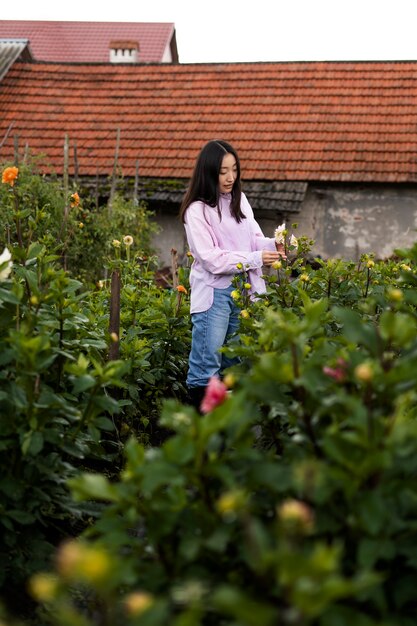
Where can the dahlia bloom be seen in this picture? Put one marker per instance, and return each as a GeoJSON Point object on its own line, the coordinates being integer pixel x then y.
{"type": "Point", "coordinates": [9, 175]}
{"type": "Point", "coordinates": [216, 393]}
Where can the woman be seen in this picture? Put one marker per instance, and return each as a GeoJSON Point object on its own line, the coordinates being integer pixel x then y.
{"type": "Point", "coordinates": [224, 238]}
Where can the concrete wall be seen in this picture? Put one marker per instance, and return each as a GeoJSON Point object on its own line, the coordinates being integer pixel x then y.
{"type": "Point", "coordinates": [349, 221]}
{"type": "Point", "coordinates": [344, 221]}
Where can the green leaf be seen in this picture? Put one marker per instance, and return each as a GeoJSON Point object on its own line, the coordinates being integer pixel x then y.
{"type": "Point", "coordinates": [83, 382]}
{"type": "Point", "coordinates": [93, 487]}
{"type": "Point", "coordinates": [21, 516]}
{"type": "Point", "coordinates": [32, 443]}
{"type": "Point", "coordinates": [357, 330]}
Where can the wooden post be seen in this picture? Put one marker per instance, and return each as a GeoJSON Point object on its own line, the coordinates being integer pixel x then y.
{"type": "Point", "coordinates": [96, 189]}
{"type": "Point", "coordinates": [16, 150]}
{"type": "Point", "coordinates": [75, 163]}
{"type": "Point", "coordinates": [66, 186]}
{"type": "Point", "coordinates": [114, 326]}
{"type": "Point", "coordinates": [174, 268]}
{"type": "Point", "coordinates": [114, 174]}
{"type": "Point", "coordinates": [26, 153]}
{"type": "Point", "coordinates": [136, 186]}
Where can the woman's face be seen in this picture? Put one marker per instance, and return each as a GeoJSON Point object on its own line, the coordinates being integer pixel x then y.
{"type": "Point", "coordinates": [228, 173]}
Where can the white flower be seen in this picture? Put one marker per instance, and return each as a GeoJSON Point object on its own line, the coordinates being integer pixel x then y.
{"type": "Point", "coordinates": [294, 242]}
{"type": "Point", "coordinates": [5, 260]}
{"type": "Point", "coordinates": [128, 240]}
{"type": "Point", "coordinates": [280, 234]}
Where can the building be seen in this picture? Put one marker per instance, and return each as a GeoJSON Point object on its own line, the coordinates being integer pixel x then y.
{"type": "Point", "coordinates": [95, 42]}
{"type": "Point", "coordinates": [329, 145]}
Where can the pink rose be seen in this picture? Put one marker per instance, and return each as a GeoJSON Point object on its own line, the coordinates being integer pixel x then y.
{"type": "Point", "coordinates": [216, 393]}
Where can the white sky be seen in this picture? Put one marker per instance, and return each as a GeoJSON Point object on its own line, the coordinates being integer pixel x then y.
{"type": "Point", "coordinates": [255, 30]}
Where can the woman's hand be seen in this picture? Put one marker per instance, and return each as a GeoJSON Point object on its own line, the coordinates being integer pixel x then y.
{"type": "Point", "coordinates": [280, 248]}
{"type": "Point", "coordinates": [268, 257]}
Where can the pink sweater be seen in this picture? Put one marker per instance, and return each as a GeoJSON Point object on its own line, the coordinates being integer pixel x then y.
{"type": "Point", "coordinates": [219, 245]}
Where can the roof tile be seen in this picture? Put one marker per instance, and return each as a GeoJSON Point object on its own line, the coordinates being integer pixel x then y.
{"type": "Point", "coordinates": [80, 42]}
{"type": "Point", "coordinates": [290, 121]}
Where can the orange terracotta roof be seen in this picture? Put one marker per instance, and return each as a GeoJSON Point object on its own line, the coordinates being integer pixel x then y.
{"type": "Point", "coordinates": [88, 42]}
{"type": "Point", "coordinates": [322, 121]}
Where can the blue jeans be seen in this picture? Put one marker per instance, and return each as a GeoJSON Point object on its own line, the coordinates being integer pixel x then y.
{"type": "Point", "coordinates": [211, 329]}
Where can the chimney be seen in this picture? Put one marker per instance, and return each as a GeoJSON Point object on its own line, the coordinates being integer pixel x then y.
{"type": "Point", "coordinates": [124, 51]}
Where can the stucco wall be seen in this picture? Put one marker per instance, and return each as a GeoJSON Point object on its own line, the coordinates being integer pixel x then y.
{"type": "Point", "coordinates": [347, 222]}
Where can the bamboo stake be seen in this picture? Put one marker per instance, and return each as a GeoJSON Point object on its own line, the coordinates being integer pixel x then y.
{"type": "Point", "coordinates": [114, 324]}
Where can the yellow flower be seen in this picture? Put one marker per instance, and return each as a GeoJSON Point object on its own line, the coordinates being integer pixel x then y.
{"type": "Point", "coordinates": [9, 175]}
{"type": "Point", "coordinates": [235, 294]}
{"type": "Point", "coordinates": [34, 300]}
{"type": "Point", "coordinates": [78, 560]}
{"type": "Point", "coordinates": [116, 243]}
{"type": "Point", "coordinates": [277, 265]}
{"type": "Point", "coordinates": [370, 263]}
{"type": "Point", "coordinates": [405, 267]}
{"type": "Point", "coordinates": [239, 266]}
{"type": "Point", "coordinates": [95, 565]}
{"type": "Point", "coordinates": [247, 285]}
{"type": "Point", "coordinates": [245, 314]}
{"type": "Point", "coordinates": [304, 278]}
{"type": "Point", "coordinates": [43, 587]}
{"type": "Point", "coordinates": [74, 200]}
{"type": "Point", "coordinates": [128, 240]}
{"type": "Point", "coordinates": [138, 602]}
{"type": "Point", "coordinates": [80, 225]}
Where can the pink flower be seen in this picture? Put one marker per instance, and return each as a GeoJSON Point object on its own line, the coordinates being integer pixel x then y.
{"type": "Point", "coordinates": [337, 373]}
{"type": "Point", "coordinates": [216, 393]}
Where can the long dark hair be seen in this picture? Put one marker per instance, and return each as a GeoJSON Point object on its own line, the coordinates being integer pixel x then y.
{"type": "Point", "coordinates": [204, 184]}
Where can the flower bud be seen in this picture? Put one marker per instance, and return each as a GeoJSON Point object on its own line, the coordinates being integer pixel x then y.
{"type": "Point", "coordinates": [364, 372]}
{"type": "Point", "coordinates": [43, 587]}
{"type": "Point", "coordinates": [296, 516]}
{"type": "Point", "coordinates": [138, 602]}
{"type": "Point", "coordinates": [229, 380]}
{"type": "Point", "coordinates": [395, 295]}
